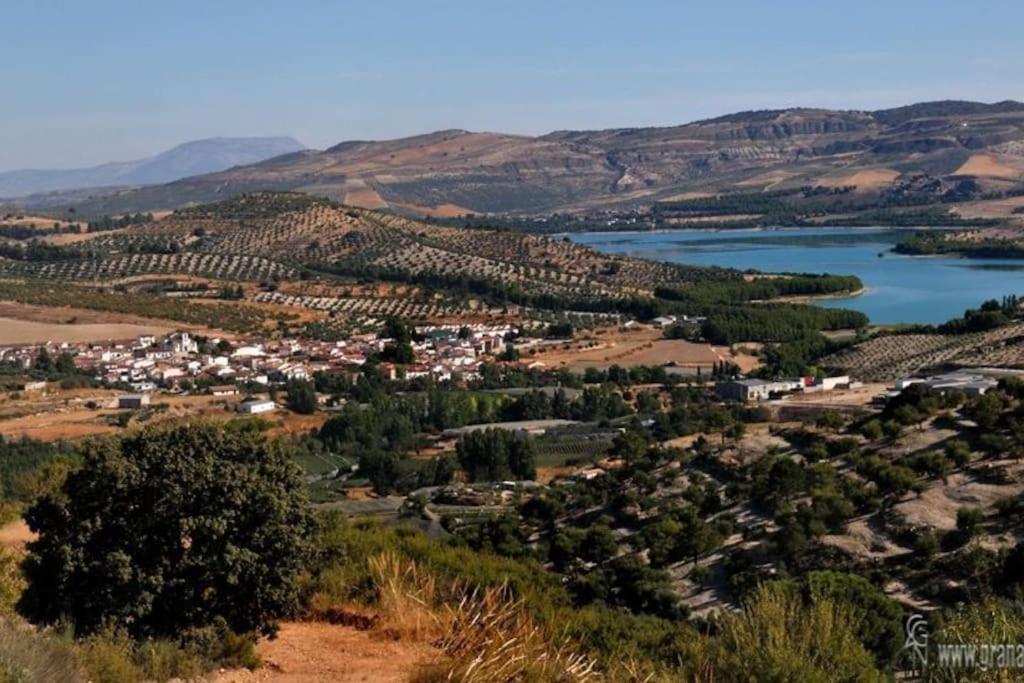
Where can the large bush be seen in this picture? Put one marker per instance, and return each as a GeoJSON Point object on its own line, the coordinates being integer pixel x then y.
{"type": "Point", "coordinates": [170, 530]}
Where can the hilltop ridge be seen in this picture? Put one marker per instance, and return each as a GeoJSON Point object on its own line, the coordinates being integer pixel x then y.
{"type": "Point", "coordinates": [456, 172]}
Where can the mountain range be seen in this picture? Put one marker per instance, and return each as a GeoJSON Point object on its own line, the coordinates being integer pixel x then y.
{"type": "Point", "coordinates": [454, 172]}
{"type": "Point", "coordinates": [192, 158]}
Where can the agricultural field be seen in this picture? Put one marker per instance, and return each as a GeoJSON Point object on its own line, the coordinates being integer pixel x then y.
{"type": "Point", "coordinates": [235, 317]}
{"type": "Point", "coordinates": [22, 324]}
{"type": "Point", "coordinates": [890, 356]}
{"type": "Point", "coordinates": [274, 236]}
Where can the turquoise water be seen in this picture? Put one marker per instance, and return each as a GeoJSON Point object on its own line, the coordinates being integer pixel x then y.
{"type": "Point", "coordinates": [900, 289]}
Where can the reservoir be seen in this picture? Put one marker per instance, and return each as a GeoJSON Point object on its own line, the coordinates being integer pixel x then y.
{"type": "Point", "coordinates": [899, 289]}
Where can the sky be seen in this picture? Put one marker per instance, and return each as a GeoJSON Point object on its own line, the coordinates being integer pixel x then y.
{"type": "Point", "coordinates": [83, 83]}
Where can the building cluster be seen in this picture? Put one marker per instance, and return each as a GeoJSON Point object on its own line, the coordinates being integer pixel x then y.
{"type": "Point", "coordinates": [968, 381]}
{"type": "Point", "coordinates": [180, 360]}
{"type": "Point", "coordinates": [764, 389]}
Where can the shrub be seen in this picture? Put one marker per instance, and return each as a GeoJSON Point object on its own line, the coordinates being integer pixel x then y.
{"type": "Point", "coordinates": [12, 583]}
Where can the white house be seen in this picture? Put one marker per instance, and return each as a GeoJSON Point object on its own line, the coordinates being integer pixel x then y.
{"type": "Point", "coordinates": [133, 401]}
{"type": "Point", "coordinates": [255, 407]}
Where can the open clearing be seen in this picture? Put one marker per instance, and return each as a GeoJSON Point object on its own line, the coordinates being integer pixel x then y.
{"type": "Point", "coordinates": [768, 179]}
{"type": "Point", "coordinates": [318, 652]}
{"type": "Point", "coordinates": [631, 348]}
{"type": "Point", "coordinates": [938, 505]}
{"type": "Point", "coordinates": [25, 324]}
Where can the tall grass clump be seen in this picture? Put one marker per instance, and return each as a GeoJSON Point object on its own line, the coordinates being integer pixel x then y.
{"type": "Point", "coordinates": [779, 637]}
{"type": "Point", "coordinates": [27, 656]}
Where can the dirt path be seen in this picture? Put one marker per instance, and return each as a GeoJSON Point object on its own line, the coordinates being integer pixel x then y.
{"type": "Point", "coordinates": [317, 652]}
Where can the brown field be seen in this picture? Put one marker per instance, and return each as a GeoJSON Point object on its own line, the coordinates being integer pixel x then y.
{"type": "Point", "coordinates": [52, 426]}
{"type": "Point", "coordinates": [365, 198]}
{"type": "Point", "coordinates": [14, 331]}
{"type": "Point", "coordinates": [27, 324]}
{"type": "Point", "coordinates": [76, 237]}
{"type": "Point", "coordinates": [994, 208]}
{"type": "Point", "coordinates": [630, 348]}
{"type": "Point", "coordinates": [34, 221]}
{"type": "Point", "coordinates": [987, 165]}
{"type": "Point", "coordinates": [863, 180]}
{"type": "Point", "coordinates": [63, 414]}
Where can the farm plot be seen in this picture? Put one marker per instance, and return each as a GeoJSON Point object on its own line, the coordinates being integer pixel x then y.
{"type": "Point", "coordinates": [223, 267]}
{"type": "Point", "coordinates": [892, 356]}
{"type": "Point", "coordinates": [561, 450]}
{"type": "Point", "coordinates": [370, 307]}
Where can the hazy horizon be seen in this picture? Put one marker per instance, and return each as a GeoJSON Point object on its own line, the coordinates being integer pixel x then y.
{"type": "Point", "coordinates": [110, 83]}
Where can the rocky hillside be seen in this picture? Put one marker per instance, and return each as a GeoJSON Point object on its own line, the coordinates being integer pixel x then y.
{"type": "Point", "coordinates": [454, 172]}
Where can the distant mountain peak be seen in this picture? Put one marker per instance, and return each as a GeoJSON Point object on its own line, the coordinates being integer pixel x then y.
{"type": "Point", "coordinates": [196, 157]}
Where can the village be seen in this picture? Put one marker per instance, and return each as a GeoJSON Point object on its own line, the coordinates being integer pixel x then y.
{"type": "Point", "coordinates": [247, 367]}
{"type": "Point", "coordinates": [182, 362]}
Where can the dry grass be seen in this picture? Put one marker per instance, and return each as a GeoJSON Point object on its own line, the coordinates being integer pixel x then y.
{"type": "Point", "coordinates": [633, 347]}
{"type": "Point", "coordinates": [489, 636]}
{"type": "Point", "coordinates": [31, 657]}
{"type": "Point", "coordinates": [406, 597]}
{"type": "Point", "coordinates": [484, 635]}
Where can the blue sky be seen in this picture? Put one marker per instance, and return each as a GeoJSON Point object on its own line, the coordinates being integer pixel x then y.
{"type": "Point", "coordinates": [88, 82]}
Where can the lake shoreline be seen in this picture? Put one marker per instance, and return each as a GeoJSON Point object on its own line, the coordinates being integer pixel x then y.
{"type": "Point", "coordinates": [663, 231]}
{"type": "Point", "coordinates": [897, 288]}
{"type": "Point", "coordinates": [812, 298]}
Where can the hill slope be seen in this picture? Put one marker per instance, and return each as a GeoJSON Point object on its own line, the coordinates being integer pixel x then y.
{"type": "Point", "coordinates": [456, 171]}
{"type": "Point", "coordinates": [189, 159]}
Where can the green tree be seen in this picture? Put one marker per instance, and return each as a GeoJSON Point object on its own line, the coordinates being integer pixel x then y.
{"type": "Point", "coordinates": [831, 421]}
{"type": "Point", "coordinates": [168, 530]}
{"type": "Point", "coordinates": [66, 364]}
{"type": "Point", "coordinates": [495, 455]}
{"type": "Point", "coordinates": [872, 430]}
{"type": "Point", "coordinates": [302, 397]}
{"type": "Point", "coordinates": [968, 521]}
{"type": "Point", "coordinates": [43, 361]}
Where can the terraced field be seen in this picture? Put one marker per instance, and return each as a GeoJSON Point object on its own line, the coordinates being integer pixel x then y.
{"type": "Point", "coordinates": [891, 356]}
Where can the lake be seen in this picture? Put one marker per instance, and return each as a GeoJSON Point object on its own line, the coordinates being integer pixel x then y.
{"type": "Point", "coordinates": [899, 289]}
